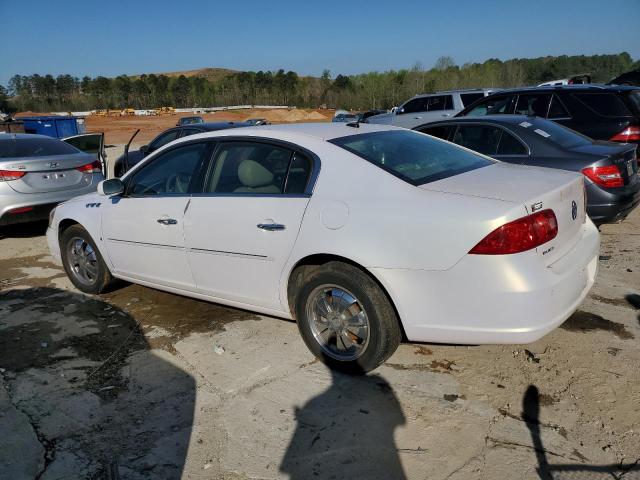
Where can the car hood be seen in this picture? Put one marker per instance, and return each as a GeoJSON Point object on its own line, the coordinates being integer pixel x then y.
{"type": "Point", "coordinates": [503, 181]}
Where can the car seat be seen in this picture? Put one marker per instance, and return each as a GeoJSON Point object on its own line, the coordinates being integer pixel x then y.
{"type": "Point", "coordinates": [255, 178]}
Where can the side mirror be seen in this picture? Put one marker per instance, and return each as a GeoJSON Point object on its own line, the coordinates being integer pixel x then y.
{"type": "Point", "coordinates": [111, 187]}
{"type": "Point", "coordinates": [144, 149]}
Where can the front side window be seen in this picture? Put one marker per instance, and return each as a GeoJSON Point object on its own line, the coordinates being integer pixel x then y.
{"type": "Point", "coordinates": [170, 173]}
{"type": "Point", "coordinates": [469, 98]}
{"type": "Point", "coordinates": [415, 105]}
{"type": "Point", "coordinates": [481, 138]}
{"type": "Point", "coordinates": [535, 104]}
{"type": "Point", "coordinates": [163, 139]}
{"type": "Point", "coordinates": [257, 168]}
{"type": "Point", "coordinates": [495, 104]}
{"type": "Point", "coordinates": [410, 156]}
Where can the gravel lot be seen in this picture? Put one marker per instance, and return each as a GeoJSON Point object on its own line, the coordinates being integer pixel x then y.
{"type": "Point", "coordinates": [139, 384]}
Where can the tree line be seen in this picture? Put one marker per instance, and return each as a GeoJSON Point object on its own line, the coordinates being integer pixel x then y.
{"type": "Point", "coordinates": [367, 90]}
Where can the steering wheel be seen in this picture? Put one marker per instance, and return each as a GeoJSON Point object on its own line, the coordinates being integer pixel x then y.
{"type": "Point", "coordinates": [177, 183]}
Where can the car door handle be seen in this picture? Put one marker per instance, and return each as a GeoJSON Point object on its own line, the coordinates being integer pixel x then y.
{"type": "Point", "coordinates": [271, 227]}
{"type": "Point", "coordinates": [167, 221]}
{"type": "Point", "coordinates": [417, 118]}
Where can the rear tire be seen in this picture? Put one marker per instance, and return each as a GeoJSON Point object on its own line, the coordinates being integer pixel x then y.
{"type": "Point", "coordinates": [82, 261]}
{"type": "Point", "coordinates": [345, 318]}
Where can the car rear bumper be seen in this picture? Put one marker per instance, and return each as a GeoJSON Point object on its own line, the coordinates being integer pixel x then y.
{"type": "Point", "coordinates": [610, 206]}
{"type": "Point", "coordinates": [493, 299]}
{"type": "Point", "coordinates": [42, 203]}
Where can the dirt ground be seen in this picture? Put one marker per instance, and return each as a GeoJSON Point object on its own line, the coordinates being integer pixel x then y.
{"type": "Point", "coordinates": [118, 130]}
{"type": "Point", "coordinates": [139, 384]}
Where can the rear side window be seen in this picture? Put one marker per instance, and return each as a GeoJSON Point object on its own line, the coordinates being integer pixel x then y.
{"type": "Point", "coordinates": [533, 104]}
{"type": "Point", "coordinates": [556, 133]}
{"type": "Point", "coordinates": [557, 109]}
{"type": "Point", "coordinates": [34, 147]}
{"type": "Point", "coordinates": [429, 104]}
{"type": "Point", "coordinates": [510, 145]}
{"type": "Point", "coordinates": [481, 138]}
{"type": "Point", "coordinates": [605, 104]}
{"type": "Point", "coordinates": [469, 98]}
{"type": "Point", "coordinates": [440, 131]}
{"type": "Point", "coordinates": [258, 168]}
{"type": "Point", "coordinates": [163, 139]}
{"type": "Point", "coordinates": [416, 159]}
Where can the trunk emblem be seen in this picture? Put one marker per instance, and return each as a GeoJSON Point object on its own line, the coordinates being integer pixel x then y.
{"type": "Point", "coordinates": [536, 206]}
{"type": "Point", "coordinates": [53, 164]}
{"type": "Point", "coordinates": [574, 210]}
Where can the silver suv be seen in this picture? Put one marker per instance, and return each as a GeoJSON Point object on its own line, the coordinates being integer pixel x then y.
{"type": "Point", "coordinates": [431, 107]}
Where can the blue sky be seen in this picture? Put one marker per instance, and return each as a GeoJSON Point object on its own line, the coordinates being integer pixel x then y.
{"type": "Point", "coordinates": [112, 37]}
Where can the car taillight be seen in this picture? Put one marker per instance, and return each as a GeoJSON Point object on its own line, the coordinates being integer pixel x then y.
{"type": "Point", "coordinates": [607, 176]}
{"type": "Point", "coordinates": [93, 167]}
{"type": "Point", "coordinates": [8, 175]}
{"type": "Point", "coordinates": [629, 134]}
{"type": "Point", "coordinates": [520, 235]}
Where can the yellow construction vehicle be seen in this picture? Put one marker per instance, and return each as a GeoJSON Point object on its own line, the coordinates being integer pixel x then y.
{"type": "Point", "coordinates": [165, 111]}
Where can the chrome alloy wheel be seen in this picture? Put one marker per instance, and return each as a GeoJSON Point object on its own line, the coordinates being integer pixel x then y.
{"type": "Point", "coordinates": [338, 322]}
{"type": "Point", "coordinates": [82, 261]}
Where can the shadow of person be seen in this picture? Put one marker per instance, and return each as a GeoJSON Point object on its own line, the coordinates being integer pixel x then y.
{"type": "Point", "coordinates": [100, 402]}
{"type": "Point", "coordinates": [347, 432]}
{"type": "Point", "coordinates": [531, 415]}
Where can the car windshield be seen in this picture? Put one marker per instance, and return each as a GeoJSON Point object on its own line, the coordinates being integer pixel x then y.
{"type": "Point", "coordinates": [556, 133]}
{"type": "Point", "coordinates": [414, 157]}
{"type": "Point", "coordinates": [34, 147]}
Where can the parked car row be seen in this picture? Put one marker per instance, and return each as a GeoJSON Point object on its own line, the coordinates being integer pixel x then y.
{"type": "Point", "coordinates": [365, 232]}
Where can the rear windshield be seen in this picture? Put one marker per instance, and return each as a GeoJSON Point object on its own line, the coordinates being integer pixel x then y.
{"type": "Point", "coordinates": [605, 104]}
{"type": "Point", "coordinates": [556, 133]}
{"type": "Point", "coordinates": [414, 157]}
{"type": "Point", "coordinates": [34, 147]}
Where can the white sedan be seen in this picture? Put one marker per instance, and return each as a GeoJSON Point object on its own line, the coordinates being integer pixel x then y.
{"type": "Point", "coordinates": [361, 233]}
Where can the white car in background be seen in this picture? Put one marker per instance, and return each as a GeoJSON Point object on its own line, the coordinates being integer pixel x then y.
{"type": "Point", "coordinates": [359, 233]}
{"type": "Point", "coordinates": [431, 107]}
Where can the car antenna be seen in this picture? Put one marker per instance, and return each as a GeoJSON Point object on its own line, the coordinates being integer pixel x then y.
{"type": "Point", "coordinates": [355, 124]}
{"type": "Point", "coordinates": [126, 151]}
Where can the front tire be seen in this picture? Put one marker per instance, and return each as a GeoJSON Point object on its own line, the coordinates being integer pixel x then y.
{"type": "Point", "coordinates": [346, 319]}
{"type": "Point", "coordinates": [82, 261]}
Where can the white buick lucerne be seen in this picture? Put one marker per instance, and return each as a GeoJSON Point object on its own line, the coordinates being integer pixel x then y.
{"type": "Point", "coordinates": [361, 233]}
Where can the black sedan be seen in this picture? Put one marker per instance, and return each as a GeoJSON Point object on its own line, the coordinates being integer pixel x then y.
{"type": "Point", "coordinates": [133, 157]}
{"type": "Point", "coordinates": [611, 169]}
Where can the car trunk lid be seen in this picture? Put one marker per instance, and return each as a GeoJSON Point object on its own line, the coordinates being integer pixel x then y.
{"type": "Point", "coordinates": [49, 174]}
{"type": "Point", "coordinates": [535, 189]}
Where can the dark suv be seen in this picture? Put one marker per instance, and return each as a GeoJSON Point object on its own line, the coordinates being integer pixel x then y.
{"type": "Point", "coordinates": [602, 112]}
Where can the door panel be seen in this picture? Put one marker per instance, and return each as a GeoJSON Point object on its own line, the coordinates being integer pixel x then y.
{"type": "Point", "coordinates": [141, 247]}
{"type": "Point", "coordinates": [230, 256]}
{"type": "Point", "coordinates": [143, 229]}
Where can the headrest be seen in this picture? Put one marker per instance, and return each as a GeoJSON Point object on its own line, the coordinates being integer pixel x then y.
{"type": "Point", "coordinates": [254, 175]}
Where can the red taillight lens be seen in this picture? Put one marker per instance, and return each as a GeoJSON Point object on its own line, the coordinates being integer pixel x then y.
{"type": "Point", "coordinates": [7, 175]}
{"type": "Point", "coordinates": [629, 134]}
{"type": "Point", "coordinates": [607, 176]}
{"type": "Point", "coordinates": [520, 235]}
{"type": "Point", "coordinates": [93, 167]}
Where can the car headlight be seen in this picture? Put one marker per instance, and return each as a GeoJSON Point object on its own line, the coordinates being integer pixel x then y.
{"type": "Point", "coordinates": [51, 214]}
